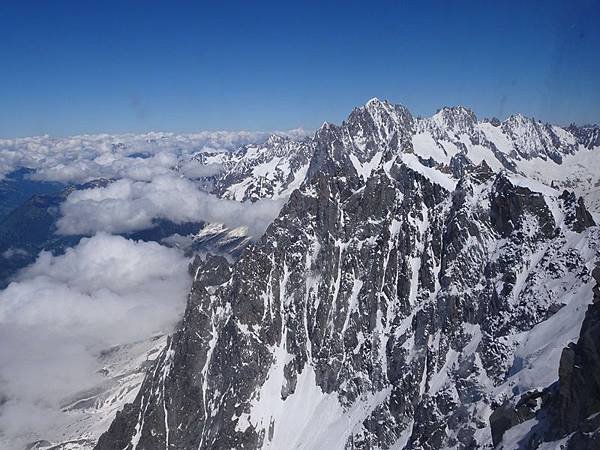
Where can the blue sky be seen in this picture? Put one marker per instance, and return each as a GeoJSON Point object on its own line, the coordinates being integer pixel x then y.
{"type": "Point", "coordinates": [90, 66]}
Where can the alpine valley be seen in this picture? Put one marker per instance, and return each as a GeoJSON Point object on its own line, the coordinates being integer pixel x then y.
{"type": "Point", "coordinates": [427, 283]}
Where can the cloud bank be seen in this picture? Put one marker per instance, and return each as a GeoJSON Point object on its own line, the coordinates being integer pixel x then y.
{"type": "Point", "coordinates": [157, 177]}
{"type": "Point", "coordinates": [77, 159]}
{"type": "Point", "coordinates": [127, 205]}
{"type": "Point", "coordinates": [63, 310]}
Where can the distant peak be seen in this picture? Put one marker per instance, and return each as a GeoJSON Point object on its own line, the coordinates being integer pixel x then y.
{"type": "Point", "coordinates": [455, 117]}
{"type": "Point", "coordinates": [375, 104]}
{"type": "Point", "coordinates": [520, 118]}
{"type": "Point", "coordinates": [276, 139]}
{"type": "Point", "coordinates": [517, 116]}
{"type": "Point", "coordinates": [374, 101]}
{"type": "Point", "coordinates": [325, 130]}
{"type": "Point", "coordinates": [458, 110]}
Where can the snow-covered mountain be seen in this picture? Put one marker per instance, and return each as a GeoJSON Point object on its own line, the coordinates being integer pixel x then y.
{"type": "Point", "coordinates": [562, 158]}
{"type": "Point", "coordinates": [417, 290]}
{"type": "Point", "coordinates": [272, 169]}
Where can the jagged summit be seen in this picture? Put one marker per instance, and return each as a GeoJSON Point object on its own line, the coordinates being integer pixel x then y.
{"type": "Point", "coordinates": [374, 101]}
{"type": "Point", "coordinates": [415, 290]}
{"type": "Point", "coordinates": [276, 139]}
{"type": "Point", "coordinates": [457, 118]}
{"type": "Point", "coordinates": [444, 143]}
{"type": "Point", "coordinates": [456, 112]}
{"type": "Point", "coordinates": [422, 274]}
{"type": "Point", "coordinates": [448, 115]}
{"type": "Point", "coordinates": [377, 107]}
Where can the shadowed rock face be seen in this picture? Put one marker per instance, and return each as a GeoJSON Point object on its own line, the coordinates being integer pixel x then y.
{"type": "Point", "coordinates": [385, 301]}
{"type": "Point", "coordinates": [578, 402]}
{"type": "Point", "coordinates": [509, 205]}
{"type": "Point", "coordinates": [570, 408]}
{"type": "Point", "coordinates": [577, 216]}
{"type": "Point", "coordinates": [587, 135]}
{"type": "Point", "coordinates": [506, 416]}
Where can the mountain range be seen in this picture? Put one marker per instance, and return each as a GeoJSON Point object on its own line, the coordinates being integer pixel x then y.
{"type": "Point", "coordinates": [428, 283]}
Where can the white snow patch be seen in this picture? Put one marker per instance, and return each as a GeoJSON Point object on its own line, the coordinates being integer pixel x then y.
{"type": "Point", "coordinates": [434, 175]}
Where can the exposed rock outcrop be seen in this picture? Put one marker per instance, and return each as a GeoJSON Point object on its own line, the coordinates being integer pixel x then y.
{"type": "Point", "coordinates": [386, 306]}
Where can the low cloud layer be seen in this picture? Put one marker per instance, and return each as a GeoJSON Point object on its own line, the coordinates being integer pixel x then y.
{"type": "Point", "coordinates": [63, 310]}
{"type": "Point", "coordinates": [153, 176]}
{"type": "Point", "coordinates": [78, 159]}
{"type": "Point", "coordinates": [127, 205]}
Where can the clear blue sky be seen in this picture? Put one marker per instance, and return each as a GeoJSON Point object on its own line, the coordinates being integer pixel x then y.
{"type": "Point", "coordinates": [103, 66]}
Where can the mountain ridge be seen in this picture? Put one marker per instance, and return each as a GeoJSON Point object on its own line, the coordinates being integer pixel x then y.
{"type": "Point", "coordinates": [406, 301]}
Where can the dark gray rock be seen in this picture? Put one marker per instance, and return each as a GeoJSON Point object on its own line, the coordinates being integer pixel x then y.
{"type": "Point", "coordinates": [587, 135]}
{"type": "Point", "coordinates": [502, 419]}
{"type": "Point", "coordinates": [579, 376]}
{"type": "Point", "coordinates": [576, 215]}
{"type": "Point", "coordinates": [509, 203]}
{"type": "Point", "coordinates": [393, 292]}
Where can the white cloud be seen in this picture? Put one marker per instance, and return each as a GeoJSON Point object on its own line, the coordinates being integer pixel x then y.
{"type": "Point", "coordinates": [12, 252]}
{"type": "Point", "coordinates": [128, 205]}
{"type": "Point", "coordinates": [154, 175]}
{"type": "Point", "coordinates": [77, 159]}
{"type": "Point", "coordinates": [63, 310]}
{"type": "Point", "coordinates": [194, 169]}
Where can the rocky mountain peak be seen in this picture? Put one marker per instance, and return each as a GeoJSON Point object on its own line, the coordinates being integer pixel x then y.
{"type": "Point", "coordinates": [409, 286]}
{"type": "Point", "coordinates": [531, 138]}
{"type": "Point", "coordinates": [457, 119]}
{"type": "Point", "coordinates": [381, 117]}
{"type": "Point", "coordinates": [276, 139]}
{"type": "Point", "coordinates": [587, 135]}
{"type": "Point", "coordinates": [375, 103]}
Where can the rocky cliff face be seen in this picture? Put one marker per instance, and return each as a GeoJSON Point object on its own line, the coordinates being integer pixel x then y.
{"type": "Point", "coordinates": [578, 402]}
{"type": "Point", "coordinates": [400, 297]}
{"type": "Point", "coordinates": [565, 414]}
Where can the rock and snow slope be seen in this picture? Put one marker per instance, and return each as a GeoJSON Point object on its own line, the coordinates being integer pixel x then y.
{"type": "Point", "coordinates": [425, 274]}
